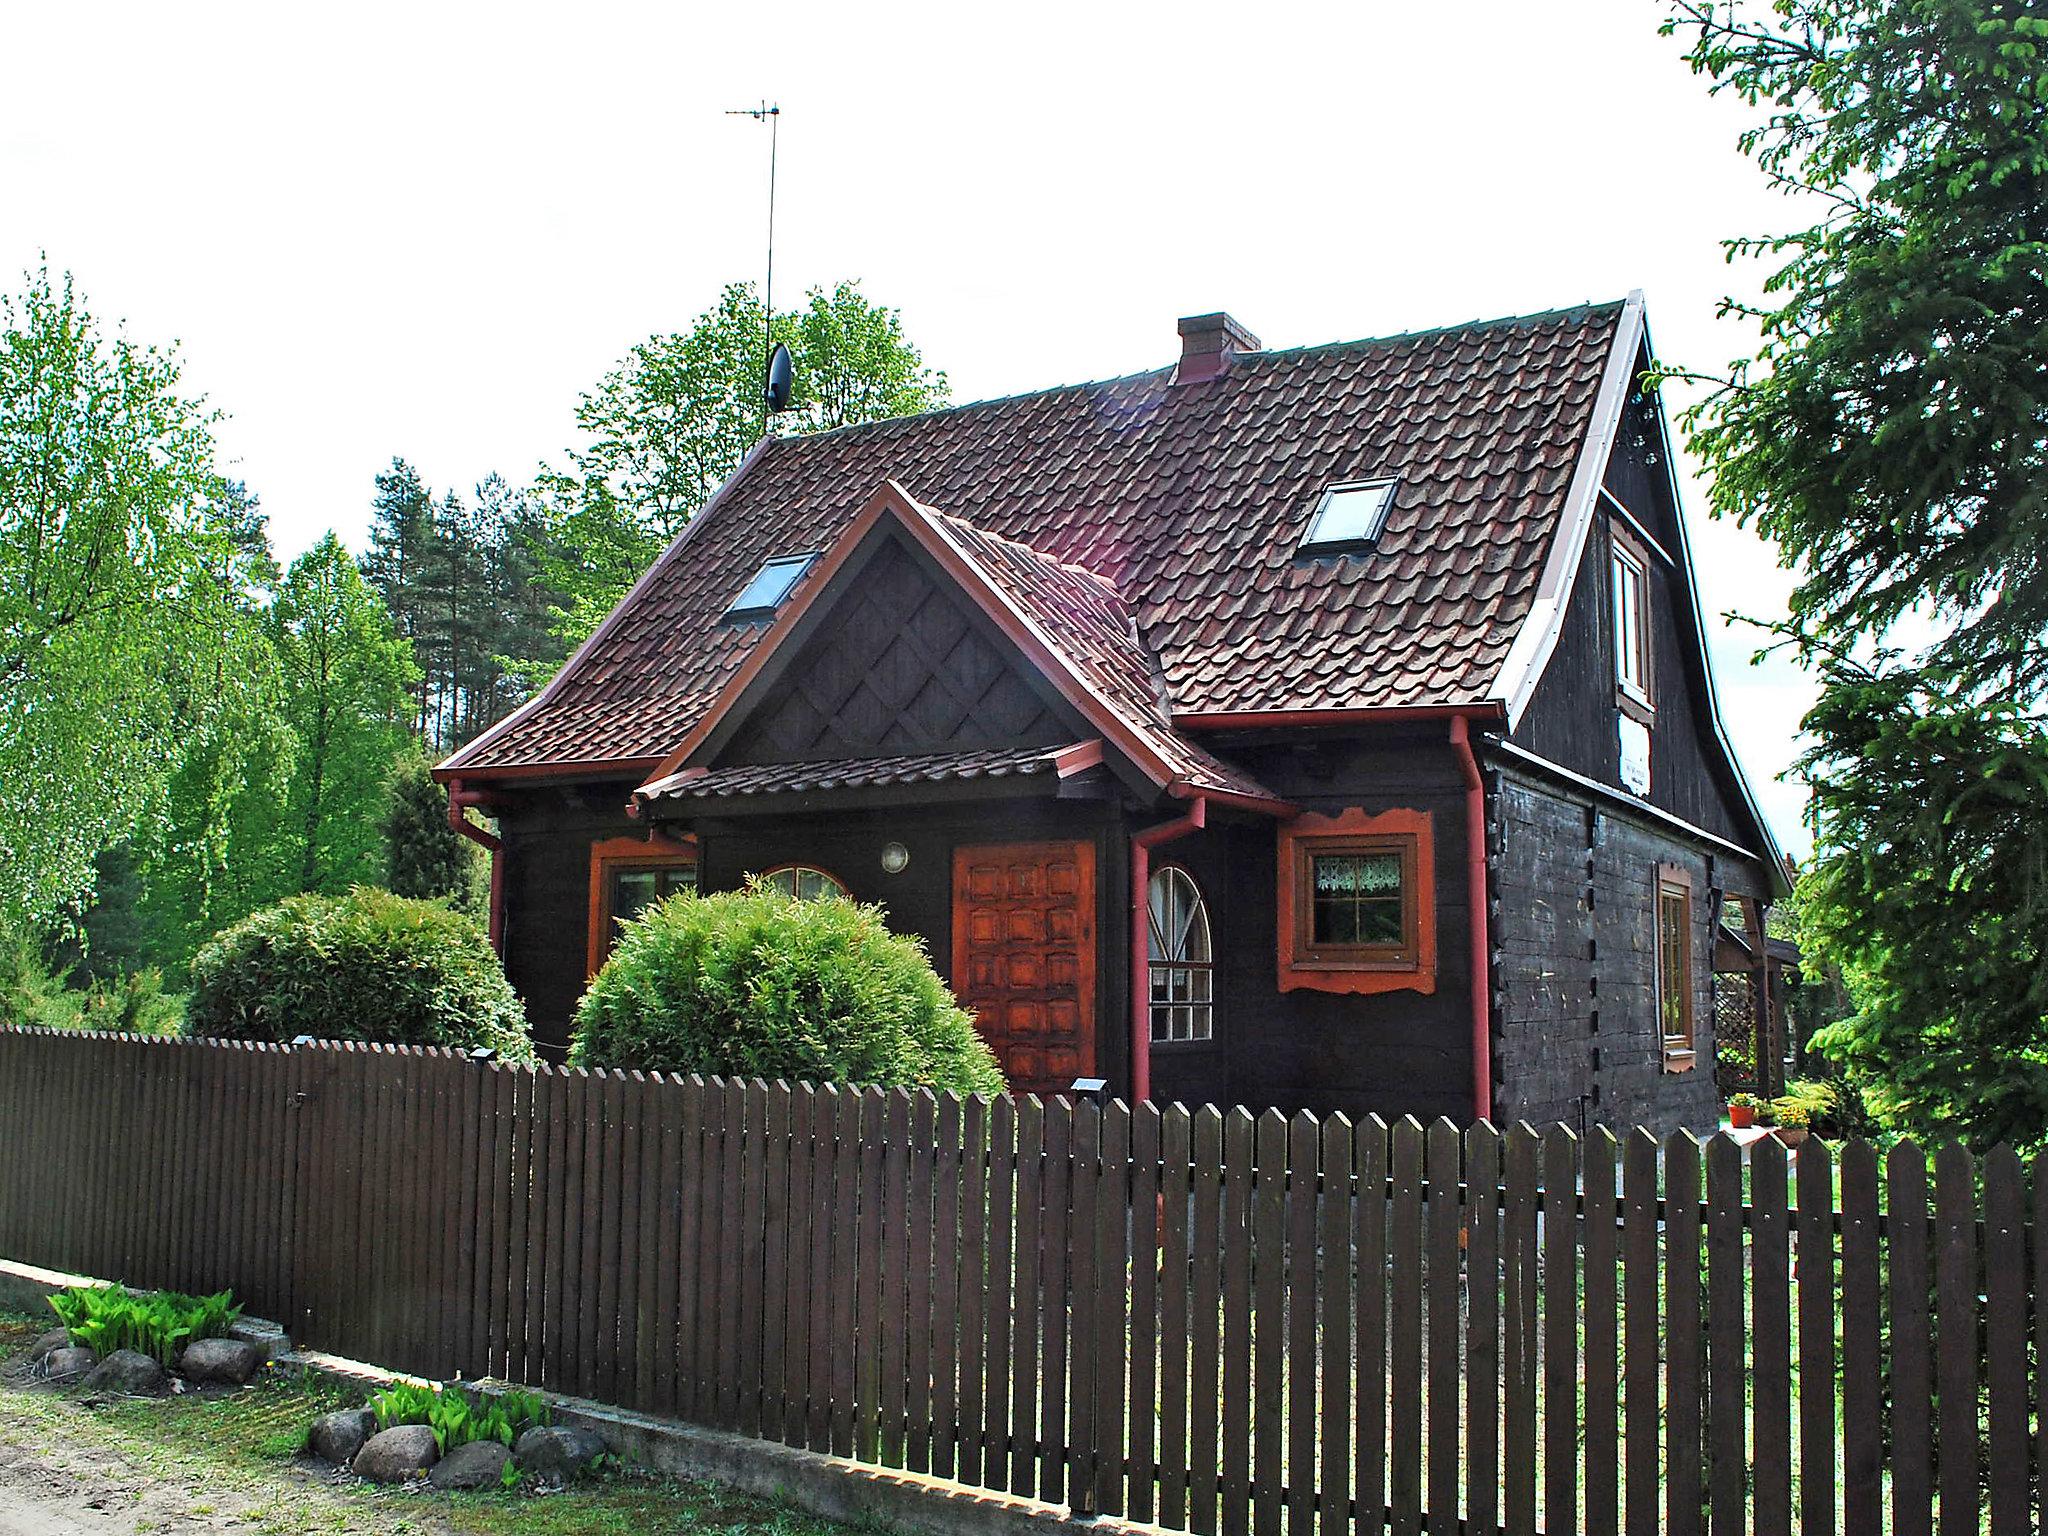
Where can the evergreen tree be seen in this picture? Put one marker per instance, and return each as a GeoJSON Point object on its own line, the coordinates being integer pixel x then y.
{"type": "Point", "coordinates": [1891, 433]}
{"type": "Point", "coordinates": [401, 534]}
{"type": "Point", "coordinates": [423, 855]}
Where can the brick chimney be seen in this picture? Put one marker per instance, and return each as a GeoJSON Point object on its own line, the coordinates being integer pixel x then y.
{"type": "Point", "coordinates": [1207, 344]}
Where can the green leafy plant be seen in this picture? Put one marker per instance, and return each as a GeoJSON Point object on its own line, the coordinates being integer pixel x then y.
{"type": "Point", "coordinates": [104, 1318]}
{"type": "Point", "coordinates": [367, 965]}
{"type": "Point", "coordinates": [1791, 1115]}
{"type": "Point", "coordinates": [1745, 1101]}
{"type": "Point", "coordinates": [757, 983]}
{"type": "Point", "coordinates": [458, 1417]}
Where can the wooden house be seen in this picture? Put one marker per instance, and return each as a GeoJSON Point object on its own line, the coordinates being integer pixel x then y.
{"type": "Point", "coordinates": [1323, 729]}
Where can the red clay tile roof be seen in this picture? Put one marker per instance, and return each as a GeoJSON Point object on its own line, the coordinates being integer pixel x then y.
{"type": "Point", "coordinates": [794, 778]}
{"type": "Point", "coordinates": [1097, 632]}
{"type": "Point", "coordinates": [1189, 503]}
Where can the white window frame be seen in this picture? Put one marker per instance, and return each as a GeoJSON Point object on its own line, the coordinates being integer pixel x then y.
{"type": "Point", "coordinates": [1631, 577]}
{"type": "Point", "coordinates": [1181, 989]}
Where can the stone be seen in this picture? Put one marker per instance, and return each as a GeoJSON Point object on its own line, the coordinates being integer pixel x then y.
{"type": "Point", "coordinates": [49, 1344]}
{"type": "Point", "coordinates": [397, 1455]}
{"type": "Point", "coordinates": [557, 1451]}
{"type": "Point", "coordinates": [224, 1360]}
{"type": "Point", "coordinates": [478, 1465]}
{"type": "Point", "coordinates": [338, 1436]}
{"type": "Point", "coordinates": [68, 1363]}
{"type": "Point", "coordinates": [130, 1373]}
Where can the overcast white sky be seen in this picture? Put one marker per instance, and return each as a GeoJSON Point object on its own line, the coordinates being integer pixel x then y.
{"type": "Point", "coordinates": [421, 229]}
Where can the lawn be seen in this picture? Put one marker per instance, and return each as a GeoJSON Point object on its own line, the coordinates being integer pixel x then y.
{"type": "Point", "coordinates": [230, 1461]}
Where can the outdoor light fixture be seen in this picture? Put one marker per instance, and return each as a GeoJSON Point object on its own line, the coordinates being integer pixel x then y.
{"type": "Point", "coordinates": [482, 1054]}
{"type": "Point", "coordinates": [299, 1040]}
{"type": "Point", "coordinates": [895, 858]}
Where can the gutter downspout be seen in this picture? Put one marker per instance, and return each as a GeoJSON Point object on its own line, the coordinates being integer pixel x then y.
{"type": "Point", "coordinates": [459, 799]}
{"type": "Point", "coordinates": [1142, 844]}
{"type": "Point", "coordinates": [1475, 906]}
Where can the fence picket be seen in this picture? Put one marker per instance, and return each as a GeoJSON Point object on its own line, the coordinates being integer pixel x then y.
{"type": "Point", "coordinates": [1369, 1240]}
{"type": "Point", "coordinates": [1862, 1343]}
{"type": "Point", "coordinates": [1333, 1292]}
{"type": "Point", "coordinates": [1404, 1328]}
{"type": "Point", "coordinates": [2005, 1337]}
{"type": "Point", "coordinates": [1482, 1327]}
{"type": "Point", "coordinates": [1560, 1409]}
{"type": "Point", "coordinates": [1205, 1350]}
{"type": "Point", "coordinates": [1442, 1320]}
{"type": "Point", "coordinates": [1816, 1276]}
{"type": "Point", "coordinates": [1269, 1321]}
{"type": "Point", "coordinates": [1912, 1375]}
{"type": "Point", "coordinates": [1684, 1496]}
{"type": "Point", "coordinates": [1518, 1332]}
{"type": "Point", "coordinates": [1955, 1310]}
{"type": "Point", "coordinates": [1727, 1343]}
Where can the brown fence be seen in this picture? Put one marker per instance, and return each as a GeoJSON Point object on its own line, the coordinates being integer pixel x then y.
{"type": "Point", "coordinates": [1210, 1321]}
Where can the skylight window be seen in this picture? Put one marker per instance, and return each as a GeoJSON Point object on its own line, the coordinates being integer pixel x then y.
{"type": "Point", "coordinates": [764, 594]}
{"type": "Point", "coordinates": [1349, 516]}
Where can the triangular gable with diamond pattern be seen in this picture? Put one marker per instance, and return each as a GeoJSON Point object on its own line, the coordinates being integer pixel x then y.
{"type": "Point", "coordinates": [900, 664]}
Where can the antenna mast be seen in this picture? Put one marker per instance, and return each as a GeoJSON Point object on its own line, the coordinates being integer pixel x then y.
{"type": "Point", "coordinates": [771, 114]}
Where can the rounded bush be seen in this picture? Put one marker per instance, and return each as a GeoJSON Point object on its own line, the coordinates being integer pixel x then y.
{"type": "Point", "coordinates": [365, 966]}
{"type": "Point", "coordinates": [756, 983]}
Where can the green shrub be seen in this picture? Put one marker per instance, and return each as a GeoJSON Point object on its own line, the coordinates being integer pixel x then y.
{"type": "Point", "coordinates": [456, 1417]}
{"type": "Point", "coordinates": [755, 983]}
{"type": "Point", "coordinates": [365, 966]}
{"type": "Point", "coordinates": [160, 1324]}
{"type": "Point", "coordinates": [34, 994]}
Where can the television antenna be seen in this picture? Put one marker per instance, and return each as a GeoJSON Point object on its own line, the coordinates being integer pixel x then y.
{"type": "Point", "coordinates": [776, 379]}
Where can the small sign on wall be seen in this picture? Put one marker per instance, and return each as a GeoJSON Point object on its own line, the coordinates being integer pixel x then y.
{"type": "Point", "coordinates": [1635, 755]}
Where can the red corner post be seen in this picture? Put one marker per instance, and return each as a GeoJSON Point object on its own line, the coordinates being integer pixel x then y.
{"type": "Point", "coordinates": [1475, 906]}
{"type": "Point", "coordinates": [459, 801]}
{"type": "Point", "coordinates": [1142, 844]}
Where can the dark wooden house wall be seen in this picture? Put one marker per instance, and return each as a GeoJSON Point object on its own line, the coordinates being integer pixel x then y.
{"type": "Point", "coordinates": [919, 900]}
{"type": "Point", "coordinates": [1391, 1053]}
{"type": "Point", "coordinates": [1578, 1038]}
{"type": "Point", "coordinates": [1572, 719]}
{"type": "Point", "coordinates": [548, 834]}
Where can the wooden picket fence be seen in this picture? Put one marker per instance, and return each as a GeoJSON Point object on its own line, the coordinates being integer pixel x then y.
{"type": "Point", "coordinates": [1219, 1323]}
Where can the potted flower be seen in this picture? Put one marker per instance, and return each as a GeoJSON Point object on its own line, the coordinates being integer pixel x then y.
{"type": "Point", "coordinates": [1742, 1108]}
{"type": "Point", "coordinates": [1795, 1121]}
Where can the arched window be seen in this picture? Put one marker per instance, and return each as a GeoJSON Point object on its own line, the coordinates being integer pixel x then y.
{"type": "Point", "coordinates": [1182, 961]}
{"type": "Point", "coordinates": [803, 881]}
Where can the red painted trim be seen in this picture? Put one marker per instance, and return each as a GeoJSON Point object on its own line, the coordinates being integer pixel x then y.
{"type": "Point", "coordinates": [623, 852]}
{"type": "Point", "coordinates": [1254, 719]}
{"type": "Point", "coordinates": [459, 801]}
{"type": "Point", "coordinates": [1078, 758]}
{"type": "Point", "coordinates": [1181, 789]}
{"type": "Point", "coordinates": [1412, 973]}
{"type": "Point", "coordinates": [1142, 844]}
{"type": "Point", "coordinates": [1475, 906]}
{"type": "Point", "coordinates": [597, 768]}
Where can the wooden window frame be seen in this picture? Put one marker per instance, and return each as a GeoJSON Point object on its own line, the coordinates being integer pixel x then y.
{"type": "Point", "coordinates": [1155, 1008]}
{"type": "Point", "coordinates": [648, 851]}
{"type": "Point", "coordinates": [1629, 561]}
{"type": "Point", "coordinates": [1362, 968]}
{"type": "Point", "coordinates": [1681, 1051]}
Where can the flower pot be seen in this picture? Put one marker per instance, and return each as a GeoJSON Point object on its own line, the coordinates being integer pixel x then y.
{"type": "Point", "coordinates": [1793, 1135]}
{"type": "Point", "coordinates": [1741, 1116]}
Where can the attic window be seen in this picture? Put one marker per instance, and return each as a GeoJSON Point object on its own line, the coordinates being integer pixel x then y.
{"type": "Point", "coordinates": [764, 594]}
{"type": "Point", "coordinates": [1349, 516]}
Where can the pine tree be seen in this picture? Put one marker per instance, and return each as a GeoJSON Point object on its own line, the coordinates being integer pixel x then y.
{"type": "Point", "coordinates": [401, 534]}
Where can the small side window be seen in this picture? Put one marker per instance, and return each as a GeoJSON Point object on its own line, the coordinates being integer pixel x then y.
{"type": "Point", "coordinates": [1632, 678]}
{"type": "Point", "coordinates": [1675, 966]}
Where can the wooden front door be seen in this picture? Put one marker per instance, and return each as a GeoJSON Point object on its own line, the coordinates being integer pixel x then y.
{"type": "Point", "coordinates": [1024, 957]}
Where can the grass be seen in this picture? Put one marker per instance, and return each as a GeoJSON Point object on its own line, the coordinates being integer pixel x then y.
{"type": "Point", "coordinates": [231, 1458]}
